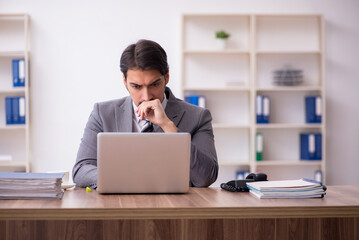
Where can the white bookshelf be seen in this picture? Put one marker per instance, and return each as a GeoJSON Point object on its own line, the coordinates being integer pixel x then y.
{"type": "Point", "coordinates": [15, 44]}
{"type": "Point", "coordinates": [231, 79]}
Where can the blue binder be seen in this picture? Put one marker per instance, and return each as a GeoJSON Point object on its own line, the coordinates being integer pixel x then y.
{"type": "Point", "coordinates": [198, 100]}
{"type": "Point", "coordinates": [313, 109]}
{"type": "Point", "coordinates": [18, 72]}
{"type": "Point", "coordinates": [22, 110]}
{"type": "Point", "coordinates": [318, 146]}
{"type": "Point", "coordinates": [241, 175]}
{"type": "Point", "coordinates": [263, 109]}
{"type": "Point", "coordinates": [8, 110]}
{"type": "Point", "coordinates": [15, 110]}
{"type": "Point", "coordinates": [192, 99]}
{"type": "Point", "coordinates": [310, 146]}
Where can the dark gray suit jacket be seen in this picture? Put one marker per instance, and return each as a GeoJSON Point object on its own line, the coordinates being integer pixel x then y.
{"type": "Point", "coordinates": [116, 116]}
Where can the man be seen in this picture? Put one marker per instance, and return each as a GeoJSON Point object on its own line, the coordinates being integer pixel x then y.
{"type": "Point", "coordinates": [151, 105]}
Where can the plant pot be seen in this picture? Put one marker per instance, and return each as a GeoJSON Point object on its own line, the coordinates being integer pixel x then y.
{"type": "Point", "coordinates": [221, 43]}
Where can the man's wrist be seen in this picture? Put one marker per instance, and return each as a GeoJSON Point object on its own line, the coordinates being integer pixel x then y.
{"type": "Point", "coordinates": [169, 127]}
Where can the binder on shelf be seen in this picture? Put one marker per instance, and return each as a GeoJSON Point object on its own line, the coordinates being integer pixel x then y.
{"type": "Point", "coordinates": [18, 72]}
{"type": "Point", "coordinates": [318, 176]}
{"type": "Point", "coordinates": [262, 109]}
{"type": "Point", "coordinates": [21, 110]}
{"type": "Point", "coordinates": [311, 146]}
{"type": "Point", "coordinates": [313, 109]}
{"type": "Point", "coordinates": [8, 110]}
{"type": "Point", "coordinates": [198, 100]}
{"type": "Point", "coordinates": [259, 146]}
{"type": "Point", "coordinates": [318, 146]}
{"type": "Point", "coordinates": [241, 175]}
{"type": "Point", "coordinates": [15, 110]}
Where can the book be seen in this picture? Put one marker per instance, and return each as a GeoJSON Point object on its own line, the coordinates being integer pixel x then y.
{"type": "Point", "coordinates": [301, 188]}
{"type": "Point", "coordinates": [22, 185]}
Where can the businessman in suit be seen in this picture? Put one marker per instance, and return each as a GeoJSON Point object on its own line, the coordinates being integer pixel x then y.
{"type": "Point", "coordinates": [151, 106]}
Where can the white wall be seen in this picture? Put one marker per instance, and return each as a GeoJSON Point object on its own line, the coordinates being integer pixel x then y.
{"type": "Point", "coordinates": [76, 47]}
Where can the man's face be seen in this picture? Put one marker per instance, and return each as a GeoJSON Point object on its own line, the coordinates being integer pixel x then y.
{"type": "Point", "coordinates": [145, 85]}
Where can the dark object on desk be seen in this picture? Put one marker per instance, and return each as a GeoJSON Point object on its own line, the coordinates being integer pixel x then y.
{"type": "Point", "coordinates": [241, 185]}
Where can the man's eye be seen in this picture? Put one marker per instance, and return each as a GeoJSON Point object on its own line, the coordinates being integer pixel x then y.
{"type": "Point", "coordinates": [136, 86]}
{"type": "Point", "coordinates": [156, 84]}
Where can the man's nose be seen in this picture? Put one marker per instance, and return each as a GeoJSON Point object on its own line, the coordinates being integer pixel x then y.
{"type": "Point", "coordinates": [146, 95]}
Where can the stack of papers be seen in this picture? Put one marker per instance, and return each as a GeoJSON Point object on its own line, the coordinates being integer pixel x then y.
{"type": "Point", "coordinates": [302, 188]}
{"type": "Point", "coordinates": [21, 185]}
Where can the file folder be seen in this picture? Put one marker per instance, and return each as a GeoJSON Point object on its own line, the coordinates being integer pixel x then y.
{"type": "Point", "coordinates": [311, 146]}
{"type": "Point", "coordinates": [8, 110]}
{"type": "Point", "coordinates": [22, 110]}
{"type": "Point", "coordinates": [318, 146]}
{"type": "Point", "coordinates": [259, 109]}
{"type": "Point", "coordinates": [262, 109]}
{"type": "Point", "coordinates": [313, 106]}
{"type": "Point", "coordinates": [15, 110]}
{"type": "Point", "coordinates": [18, 72]}
{"type": "Point", "coordinates": [198, 100]}
{"type": "Point", "coordinates": [259, 147]}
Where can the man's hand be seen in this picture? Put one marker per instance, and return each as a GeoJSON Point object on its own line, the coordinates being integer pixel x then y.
{"type": "Point", "coordinates": [154, 112]}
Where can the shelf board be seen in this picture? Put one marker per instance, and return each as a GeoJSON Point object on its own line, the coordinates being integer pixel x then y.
{"type": "Point", "coordinates": [211, 51]}
{"type": "Point", "coordinates": [20, 90]}
{"type": "Point", "coordinates": [12, 164]}
{"type": "Point", "coordinates": [232, 163]}
{"type": "Point", "coordinates": [287, 52]}
{"type": "Point", "coordinates": [289, 163]}
{"type": "Point", "coordinates": [13, 127]}
{"type": "Point", "coordinates": [221, 89]}
{"type": "Point", "coordinates": [289, 88]}
{"type": "Point", "coordinates": [288, 125]}
{"type": "Point", "coordinates": [13, 16]}
{"type": "Point", "coordinates": [12, 53]}
{"type": "Point", "coordinates": [229, 126]}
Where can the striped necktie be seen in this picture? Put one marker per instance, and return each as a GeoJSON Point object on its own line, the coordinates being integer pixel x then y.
{"type": "Point", "coordinates": [148, 127]}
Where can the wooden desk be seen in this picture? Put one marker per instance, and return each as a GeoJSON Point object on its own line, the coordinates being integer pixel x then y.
{"type": "Point", "coordinates": [203, 213]}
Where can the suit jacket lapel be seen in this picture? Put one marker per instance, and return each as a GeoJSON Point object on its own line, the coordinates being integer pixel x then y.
{"type": "Point", "coordinates": [123, 115]}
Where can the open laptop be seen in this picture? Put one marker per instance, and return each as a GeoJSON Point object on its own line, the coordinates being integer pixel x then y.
{"type": "Point", "coordinates": [143, 162]}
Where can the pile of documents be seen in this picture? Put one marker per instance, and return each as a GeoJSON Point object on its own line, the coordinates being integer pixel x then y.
{"type": "Point", "coordinates": [302, 188]}
{"type": "Point", "coordinates": [21, 185]}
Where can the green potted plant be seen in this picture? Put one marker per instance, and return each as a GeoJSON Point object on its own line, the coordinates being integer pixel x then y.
{"type": "Point", "coordinates": [222, 37]}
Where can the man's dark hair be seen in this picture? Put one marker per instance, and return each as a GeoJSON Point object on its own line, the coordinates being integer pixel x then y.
{"type": "Point", "coordinates": [144, 55]}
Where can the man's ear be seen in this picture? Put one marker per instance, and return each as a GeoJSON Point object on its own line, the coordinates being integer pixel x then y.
{"type": "Point", "coordinates": [167, 76]}
{"type": "Point", "coordinates": [124, 81]}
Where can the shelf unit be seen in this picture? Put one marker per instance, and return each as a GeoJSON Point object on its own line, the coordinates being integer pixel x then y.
{"type": "Point", "coordinates": [14, 139]}
{"type": "Point", "coordinates": [231, 79]}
